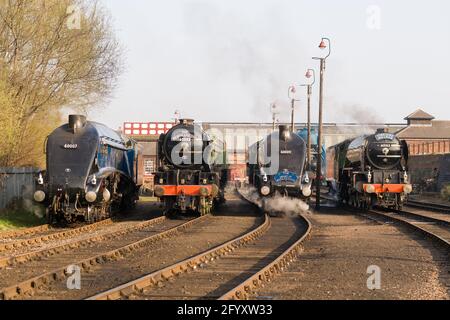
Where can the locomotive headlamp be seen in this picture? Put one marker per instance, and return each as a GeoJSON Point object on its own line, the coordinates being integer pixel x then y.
{"type": "Point", "coordinates": [265, 191]}
{"type": "Point", "coordinates": [405, 177]}
{"type": "Point", "coordinates": [39, 196]}
{"type": "Point", "coordinates": [370, 188]}
{"type": "Point", "coordinates": [159, 191]}
{"type": "Point", "coordinates": [306, 179]}
{"type": "Point", "coordinates": [91, 196]}
{"type": "Point", "coordinates": [265, 178]}
{"type": "Point", "coordinates": [407, 188]}
{"type": "Point", "coordinates": [205, 181]}
{"type": "Point", "coordinates": [306, 191]}
{"type": "Point", "coordinates": [40, 179]}
{"type": "Point", "coordinates": [106, 195]}
{"type": "Point", "coordinates": [369, 174]}
{"type": "Point", "coordinates": [204, 192]}
{"type": "Point", "coordinates": [161, 181]}
{"type": "Point", "coordinates": [182, 181]}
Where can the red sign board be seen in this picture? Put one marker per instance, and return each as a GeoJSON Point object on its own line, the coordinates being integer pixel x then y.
{"type": "Point", "coordinates": [146, 128]}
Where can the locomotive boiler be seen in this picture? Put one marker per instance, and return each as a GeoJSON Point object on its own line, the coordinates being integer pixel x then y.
{"type": "Point", "coordinates": [192, 170]}
{"type": "Point", "coordinates": [372, 170]}
{"type": "Point", "coordinates": [91, 172]}
{"type": "Point", "coordinates": [277, 165]}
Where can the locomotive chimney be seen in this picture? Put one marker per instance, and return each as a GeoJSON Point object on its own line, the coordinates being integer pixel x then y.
{"type": "Point", "coordinates": [76, 122]}
{"type": "Point", "coordinates": [187, 122]}
{"type": "Point", "coordinates": [382, 130]}
{"type": "Point", "coordinates": [284, 132]}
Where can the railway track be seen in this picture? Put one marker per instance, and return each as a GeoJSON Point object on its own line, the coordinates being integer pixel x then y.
{"type": "Point", "coordinates": [232, 270]}
{"type": "Point", "coordinates": [429, 206]}
{"type": "Point", "coordinates": [22, 282]}
{"type": "Point", "coordinates": [8, 235]}
{"type": "Point", "coordinates": [28, 239]}
{"type": "Point", "coordinates": [434, 229]}
{"type": "Point", "coordinates": [85, 239]}
{"type": "Point", "coordinates": [423, 214]}
{"type": "Point", "coordinates": [439, 218]}
{"type": "Point", "coordinates": [433, 225]}
{"type": "Point", "coordinates": [107, 264]}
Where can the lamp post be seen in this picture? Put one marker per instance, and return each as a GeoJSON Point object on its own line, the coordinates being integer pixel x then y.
{"type": "Point", "coordinates": [323, 45]}
{"type": "Point", "coordinates": [273, 110]}
{"type": "Point", "coordinates": [310, 73]}
{"type": "Point", "coordinates": [291, 94]}
{"type": "Point", "coordinates": [176, 116]}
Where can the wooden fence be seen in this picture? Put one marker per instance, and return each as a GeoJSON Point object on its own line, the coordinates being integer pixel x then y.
{"type": "Point", "coordinates": [15, 184]}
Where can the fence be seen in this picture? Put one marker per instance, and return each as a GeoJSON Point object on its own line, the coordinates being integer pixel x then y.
{"type": "Point", "coordinates": [16, 183]}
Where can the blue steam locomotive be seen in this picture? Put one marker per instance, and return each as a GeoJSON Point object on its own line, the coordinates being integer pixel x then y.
{"type": "Point", "coordinates": [91, 172]}
{"type": "Point", "coordinates": [277, 165]}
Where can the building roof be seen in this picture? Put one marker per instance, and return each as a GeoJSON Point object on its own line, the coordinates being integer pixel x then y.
{"type": "Point", "coordinates": [437, 130]}
{"type": "Point", "coordinates": [419, 114]}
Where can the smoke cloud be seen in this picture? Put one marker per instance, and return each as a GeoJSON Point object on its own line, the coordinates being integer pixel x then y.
{"type": "Point", "coordinates": [276, 204]}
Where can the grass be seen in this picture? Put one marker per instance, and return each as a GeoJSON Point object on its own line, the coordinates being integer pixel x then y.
{"type": "Point", "coordinates": [10, 220]}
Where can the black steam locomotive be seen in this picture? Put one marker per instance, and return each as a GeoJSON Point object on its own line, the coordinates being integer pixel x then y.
{"type": "Point", "coordinates": [372, 171]}
{"type": "Point", "coordinates": [192, 172]}
{"type": "Point", "coordinates": [277, 165]}
{"type": "Point", "coordinates": [91, 172]}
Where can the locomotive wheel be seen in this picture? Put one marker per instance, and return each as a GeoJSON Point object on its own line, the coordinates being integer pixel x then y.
{"type": "Point", "coordinates": [170, 214]}
{"type": "Point", "coordinates": [351, 200]}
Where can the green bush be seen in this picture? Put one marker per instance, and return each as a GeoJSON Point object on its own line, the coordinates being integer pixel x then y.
{"type": "Point", "coordinates": [19, 219]}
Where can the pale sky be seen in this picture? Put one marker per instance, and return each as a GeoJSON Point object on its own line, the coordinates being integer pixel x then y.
{"type": "Point", "coordinates": [228, 60]}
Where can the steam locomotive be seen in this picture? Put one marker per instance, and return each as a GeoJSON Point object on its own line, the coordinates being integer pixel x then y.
{"type": "Point", "coordinates": [277, 165]}
{"type": "Point", "coordinates": [192, 170]}
{"type": "Point", "coordinates": [91, 172]}
{"type": "Point", "coordinates": [372, 170]}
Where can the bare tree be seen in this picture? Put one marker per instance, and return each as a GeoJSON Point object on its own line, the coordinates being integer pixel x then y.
{"type": "Point", "coordinates": [54, 54]}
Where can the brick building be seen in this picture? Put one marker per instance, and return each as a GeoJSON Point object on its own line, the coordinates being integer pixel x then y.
{"type": "Point", "coordinates": [146, 134]}
{"type": "Point", "coordinates": [425, 135]}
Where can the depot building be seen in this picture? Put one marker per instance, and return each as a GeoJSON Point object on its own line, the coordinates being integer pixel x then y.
{"type": "Point", "coordinates": [423, 134]}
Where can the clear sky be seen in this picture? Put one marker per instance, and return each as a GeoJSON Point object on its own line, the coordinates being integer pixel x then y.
{"type": "Point", "coordinates": [227, 60]}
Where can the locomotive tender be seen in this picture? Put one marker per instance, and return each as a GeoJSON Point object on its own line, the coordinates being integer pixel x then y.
{"type": "Point", "coordinates": [372, 170]}
{"type": "Point", "coordinates": [279, 170]}
{"type": "Point", "coordinates": [91, 172]}
{"type": "Point", "coordinates": [192, 170]}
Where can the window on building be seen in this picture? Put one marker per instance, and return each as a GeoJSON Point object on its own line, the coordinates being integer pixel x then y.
{"type": "Point", "coordinates": [149, 167]}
